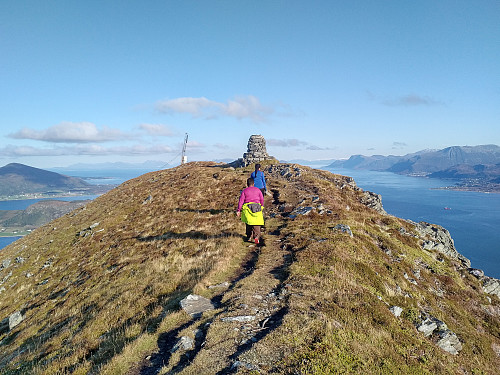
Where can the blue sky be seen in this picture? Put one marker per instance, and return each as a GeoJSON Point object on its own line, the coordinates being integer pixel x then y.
{"type": "Point", "coordinates": [102, 81]}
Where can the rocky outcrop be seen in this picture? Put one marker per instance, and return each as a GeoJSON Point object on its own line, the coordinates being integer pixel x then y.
{"type": "Point", "coordinates": [344, 228]}
{"type": "Point", "coordinates": [373, 201]}
{"type": "Point", "coordinates": [256, 152]}
{"type": "Point", "coordinates": [490, 285]}
{"type": "Point", "coordinates": [440, 333]}
{"type": "Point", "coordinates": [437, 238]}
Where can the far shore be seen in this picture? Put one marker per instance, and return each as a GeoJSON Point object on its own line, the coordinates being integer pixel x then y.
{"type": "Point", "coordinates": [103, 189]}
{"type": "Point", "coordinates": [478, 189]}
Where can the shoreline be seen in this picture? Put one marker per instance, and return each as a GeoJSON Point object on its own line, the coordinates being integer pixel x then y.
{"type": "Point", "coordinates": [95, 190]}
{"type": "Point", "coordinates": [469, 189]}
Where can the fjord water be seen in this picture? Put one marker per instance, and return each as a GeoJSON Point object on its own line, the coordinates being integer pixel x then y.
{"type": "Point", "coordinates": [4, 241]}
{"type": "Point", "coordinates": [473, 219]}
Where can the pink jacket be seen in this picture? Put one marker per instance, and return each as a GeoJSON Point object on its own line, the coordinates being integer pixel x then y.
{"type": "Point", "coordinates": [250, 194]}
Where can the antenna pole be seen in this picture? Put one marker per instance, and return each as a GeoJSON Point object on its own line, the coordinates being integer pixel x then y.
{"type": "Point", "coordinates": [184, 157]}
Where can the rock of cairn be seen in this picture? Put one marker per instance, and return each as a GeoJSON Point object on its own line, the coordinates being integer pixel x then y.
{"type": "Point", "coordinates": [256, 152]}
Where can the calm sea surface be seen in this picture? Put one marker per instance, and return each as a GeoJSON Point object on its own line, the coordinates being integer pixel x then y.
{"type": "Point", "coordinates": [4, 241]}
{"type": "Point", "coordinates": [473, 219]}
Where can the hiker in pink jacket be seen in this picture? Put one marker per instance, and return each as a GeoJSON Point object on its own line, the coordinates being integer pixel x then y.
{"type": "Point", "coordinates": [250, 210]}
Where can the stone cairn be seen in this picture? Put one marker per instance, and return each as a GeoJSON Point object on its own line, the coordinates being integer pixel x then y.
{"type": "Point", "coordinates": [256, 152]}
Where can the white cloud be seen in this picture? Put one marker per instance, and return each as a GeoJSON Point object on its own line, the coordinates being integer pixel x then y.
{"type": "Point", "coordinates": [157, 130]}
{"type": "Point", "coordinates": [221, 146]}
{"type": "Point", "coordinates": [411, 100]}
{"type": "Point", "coordinates": [317, 148]}
{"type": "Point", "coordinates": [241, 107]}
{"type": "Point", "coordinates": [247, 107]}
{"type": "Point", "coordinates": [295, 143]}
{"type": "Point", "coordinates": [193, 106]}
{"type": "Point", "coordinates": [285, 142]}
{"type": "Point", "coordinates": [21, 151]}
{"type": "Point", "coordinates": [399, 145]}
{"type": "Point", "coordinates": [71, 132]}
{"type": "Point", "coordinates": [408, 100]}
{"type": "Point", "coordinates": [194, 145]}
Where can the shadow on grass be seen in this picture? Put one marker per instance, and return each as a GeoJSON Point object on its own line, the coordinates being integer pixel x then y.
{"type": "Point", "coordinates": [166, 342]}
{"type": "Point", "coordinates": [193, 234]}
{"type": "Point", "coordinates": [205, 211]}
{"type": "Point", "coordinates": [115, 339]}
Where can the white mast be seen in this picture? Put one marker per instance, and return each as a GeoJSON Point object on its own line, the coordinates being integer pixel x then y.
{"type": "Point", "coordinates": [184, 157]}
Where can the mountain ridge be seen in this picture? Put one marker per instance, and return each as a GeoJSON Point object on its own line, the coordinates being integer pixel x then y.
{"type": "Point", "coordinates": [339, 285]}
{"type": "Point", "coordinates": [425, 161]}
{"type": "Point", "coordinates": [19, 180]}
{"type": "Point", "coordinates": [472, 168]}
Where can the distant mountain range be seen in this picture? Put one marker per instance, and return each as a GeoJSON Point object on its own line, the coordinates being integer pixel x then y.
{"type": "Point", "coordinates": [19, 180]}
{"type": "Point", "coordinates": [456, 162]}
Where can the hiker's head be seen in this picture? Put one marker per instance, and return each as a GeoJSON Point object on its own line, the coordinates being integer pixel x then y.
{"type": "Point", "coordinates": [250, 181]}
{"type": "Point", "coordinates": [257, 167]}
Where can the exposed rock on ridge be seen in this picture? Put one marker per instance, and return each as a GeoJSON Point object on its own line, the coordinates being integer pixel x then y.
{"type": "Point", "coordinates": [438, 238]}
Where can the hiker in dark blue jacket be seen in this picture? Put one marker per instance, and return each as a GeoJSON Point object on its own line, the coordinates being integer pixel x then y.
{"type": "Point", "coordinates": [259, 179]}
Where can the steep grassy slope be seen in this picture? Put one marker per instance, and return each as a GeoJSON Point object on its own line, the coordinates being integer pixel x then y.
{"type": "Point", "coordinates": [99, 288]}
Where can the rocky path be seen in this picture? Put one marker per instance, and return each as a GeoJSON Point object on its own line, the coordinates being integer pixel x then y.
{"type": "Point", "coordinates": [250, 306]}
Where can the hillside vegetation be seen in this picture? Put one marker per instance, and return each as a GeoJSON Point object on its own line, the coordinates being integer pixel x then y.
{"type": "Point", "coordinates": [99, 289]}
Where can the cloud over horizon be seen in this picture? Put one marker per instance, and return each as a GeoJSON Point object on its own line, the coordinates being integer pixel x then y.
{"type": "Point", "coordinates": [285, 142]}
{"type": "Point", "coordinates": [157, 130]}
{"type": "Point", "coordinates": [85, 149]}
{"type": "Point", "coordinates": [71, 132]}
{"type": "Point", "coordinates": [241, 107]}
{"type": "Point", "coordinates": [295, 143]}
{"type": "Point", "coordinates": [408, 100]}
{"type": "Point", "coordinates": [411, 100]}
{"type": "Point", "coordinates": [399, 145]}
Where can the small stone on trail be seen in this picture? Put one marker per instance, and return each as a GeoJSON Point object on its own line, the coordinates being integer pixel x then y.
{"type": "Point", "coordinates": [196, 305]}
{"type": "Point", "coordinates": [184, 343]}
{"type": "Point", "coordinates": [225, 284]}
{"type": "Point", "coordinates": [241, 319]}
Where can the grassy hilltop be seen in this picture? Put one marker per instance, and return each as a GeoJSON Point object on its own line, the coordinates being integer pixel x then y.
{"type": "Point", "coordinates": [98, 290]}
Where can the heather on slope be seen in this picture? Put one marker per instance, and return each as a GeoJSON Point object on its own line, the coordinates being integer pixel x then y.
{"type": "Point", "coordinates": [99, 288]}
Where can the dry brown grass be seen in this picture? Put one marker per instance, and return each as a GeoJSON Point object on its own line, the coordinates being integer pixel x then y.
{"type": "Point", "coordinates": [104, 299]}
